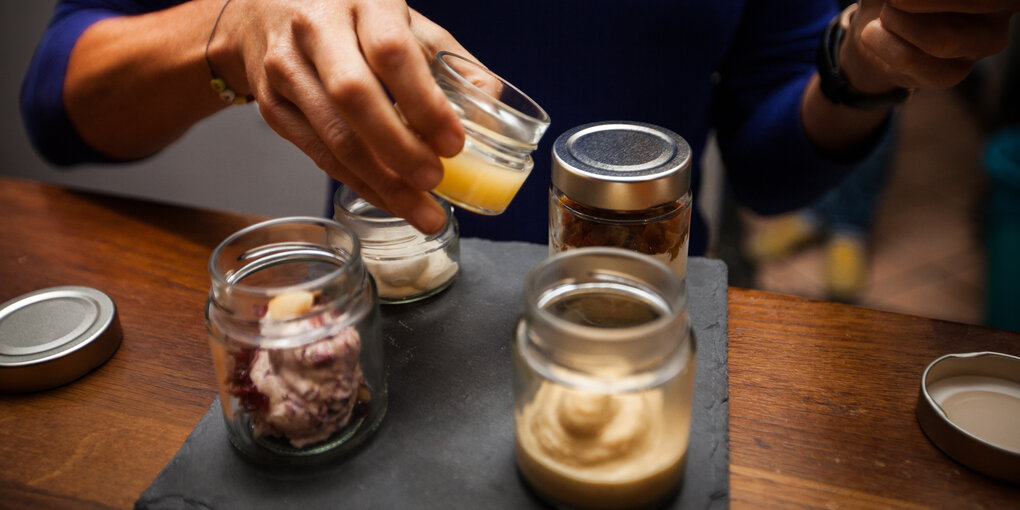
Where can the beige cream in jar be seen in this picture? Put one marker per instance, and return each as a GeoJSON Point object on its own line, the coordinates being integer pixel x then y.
{"type": "Point", "coordinates": [597, 450]}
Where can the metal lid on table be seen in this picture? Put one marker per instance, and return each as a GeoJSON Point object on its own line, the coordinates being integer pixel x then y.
{"type": "Point", "coordinates": [969, 406]}
{"type": "Point", "coordinates": [621, 165]}
{"type": "Point", "coordinates": [53, 336]}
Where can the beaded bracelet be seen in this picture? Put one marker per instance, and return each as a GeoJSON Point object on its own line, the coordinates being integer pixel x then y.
{"type": "Point", "coordinates": [216, 83]}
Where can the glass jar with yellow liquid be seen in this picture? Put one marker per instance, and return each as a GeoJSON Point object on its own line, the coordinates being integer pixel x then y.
{"type": "Point", "coordinates": [503, 126]}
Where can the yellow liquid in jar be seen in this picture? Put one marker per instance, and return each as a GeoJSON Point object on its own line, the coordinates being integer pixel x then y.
{"type": "Point", "coordinates": [479, 185]}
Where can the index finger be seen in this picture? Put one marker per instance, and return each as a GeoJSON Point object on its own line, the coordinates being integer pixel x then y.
{"type": "Point", "coordinates": [357, 94]}
{"type": "Point", "coordinates": [396, 57]}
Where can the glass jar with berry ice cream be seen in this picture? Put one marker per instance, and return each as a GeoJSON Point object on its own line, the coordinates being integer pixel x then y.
{"type": "Point", "coordinates": [293, 325]}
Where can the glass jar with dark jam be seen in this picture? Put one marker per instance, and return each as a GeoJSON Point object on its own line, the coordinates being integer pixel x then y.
{"type": "Point", "coordinates": [624, 185]}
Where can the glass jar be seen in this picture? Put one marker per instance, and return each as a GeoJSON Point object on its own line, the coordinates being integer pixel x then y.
{"type": "Point", "coordinates": [604, 373]}
{"type": "Point", "coordinates": [293, 324]}
{"type": "Point", "coordinates": [407, 265]}
{"type": "Point", "coordinates": [622, 184]}
{"type": "Point", "coordinates": [502, 127]}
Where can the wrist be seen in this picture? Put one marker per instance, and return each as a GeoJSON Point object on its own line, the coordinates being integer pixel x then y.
{"type": "Point", "coordinates": [226, 70]}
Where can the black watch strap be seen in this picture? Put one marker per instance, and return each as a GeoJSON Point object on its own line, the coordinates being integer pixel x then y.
{"type": "Point", "coordinates": [834, 85]}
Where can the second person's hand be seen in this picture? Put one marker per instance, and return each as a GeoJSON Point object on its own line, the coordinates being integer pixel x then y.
{"type": "Point", "coordinates": [922, 43]}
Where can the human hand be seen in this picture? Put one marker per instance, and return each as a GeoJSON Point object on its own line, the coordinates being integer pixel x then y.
{"type": "Point", "coordinates": [921, 43]}
{"type": "Point", "coordinates": [325, 75]}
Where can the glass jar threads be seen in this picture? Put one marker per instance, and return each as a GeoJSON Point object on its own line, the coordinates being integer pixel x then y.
{"type": "Point", "coordinates": [503, 127]}
{"type": "Point", "coordinates": [603, 379]}
{"type": "Point", "coordinates": [407, 265]}
{"type": "Point", "coordinates": [294, 330]}
{"type": "Point", "coordinates": [622, 184]}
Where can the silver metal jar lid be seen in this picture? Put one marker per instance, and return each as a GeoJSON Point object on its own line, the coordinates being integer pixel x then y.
{"type": "Point", "coordinates": [969, 406]}
{"type": "Point", "coordinates": [621, 165]}
{"type": "Point", "coordinates": [53, 336]}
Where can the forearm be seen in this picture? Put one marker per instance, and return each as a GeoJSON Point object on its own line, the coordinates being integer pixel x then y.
{"type": "Point", "coordinates": [779, 150]}
{"type": "Point", "coordinates": [134, 84]}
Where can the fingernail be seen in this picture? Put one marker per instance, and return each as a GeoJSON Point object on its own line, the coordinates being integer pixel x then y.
{"type": "Point", "coordinates": [429, 218]}
{"type": "Point", "coordinates": [427, 177]}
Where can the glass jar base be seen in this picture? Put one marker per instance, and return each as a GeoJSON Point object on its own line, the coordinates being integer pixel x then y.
{"type": "Point", "coordinates": [281, 447]}
{"type": "Point", "coordinates": [276, 450]}
{"type": "Point", "coordinates": [663, 501]}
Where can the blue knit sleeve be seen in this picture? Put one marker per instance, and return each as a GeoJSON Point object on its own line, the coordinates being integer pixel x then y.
{"type": "Point", "coordinates": [42, 106]}
{"type": "Point", "coordinates": [772, 165]}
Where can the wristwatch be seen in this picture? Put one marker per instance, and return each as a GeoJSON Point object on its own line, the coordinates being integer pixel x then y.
{"type": "Point", "coordinates": [834, 85]}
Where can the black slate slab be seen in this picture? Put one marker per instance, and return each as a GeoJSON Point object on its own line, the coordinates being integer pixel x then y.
{"type": "Point", "coordinates": [447, 439]}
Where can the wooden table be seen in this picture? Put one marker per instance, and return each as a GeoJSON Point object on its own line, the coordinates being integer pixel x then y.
{"type": "Point", "coordinates": [821, 394]}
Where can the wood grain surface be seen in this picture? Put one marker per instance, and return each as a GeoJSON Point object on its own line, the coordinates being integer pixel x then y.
{"type": "Point", "coordinates": [822, 399]}
{"type": "Point", "coordinates": [822, 395]}
{"type": "Point", "coordinates": [100, 441]}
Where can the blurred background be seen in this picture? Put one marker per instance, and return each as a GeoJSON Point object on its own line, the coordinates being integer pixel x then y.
{"type": "Point", "coordinates": [944, 233]}
{"type": "Point", "coordinates": [943, 239]}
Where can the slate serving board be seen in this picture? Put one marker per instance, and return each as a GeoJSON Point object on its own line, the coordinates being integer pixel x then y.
{"type": "Point", "coordinates": [447, 438]}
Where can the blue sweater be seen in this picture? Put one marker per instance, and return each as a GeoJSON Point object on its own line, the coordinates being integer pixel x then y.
{"type": "Point", "coordinates": [733, 66]}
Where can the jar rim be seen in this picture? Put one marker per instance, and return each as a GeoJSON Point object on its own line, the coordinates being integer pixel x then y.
{"type": "Point", "coordinates": [441, 60]}
{"type": "Point", "coordinates": [345, 197]}
{"type": "Point", "coordinates": [675, 304]}
{"type": "Point", "coordinates": [577, 377]}
{"type": "Point", "coordinates": [617, 216]}
{"type": "Point", "coordinates": [219, 278]}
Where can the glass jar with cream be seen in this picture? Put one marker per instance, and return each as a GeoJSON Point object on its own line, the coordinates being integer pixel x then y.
{"type": "Point", "coordinates": [407, 265]}
{"type": "Point", "coordinates": [622, 184]}
{"type": "Point", "coordinates": [604, 375]}
{"type": "Point", "coordinates": [503, 127]}
{"type": "Point", "coordinates": [293, 325]}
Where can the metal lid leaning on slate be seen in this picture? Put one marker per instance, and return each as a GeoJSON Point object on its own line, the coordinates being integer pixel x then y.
{"type": "Point", "coordinates": [621, 165]}
{"type": "Point", "coordinates": [53, 336]}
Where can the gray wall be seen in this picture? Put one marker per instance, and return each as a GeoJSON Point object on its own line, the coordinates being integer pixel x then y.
{"type": "Point", "coordinates": [231, 161]}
